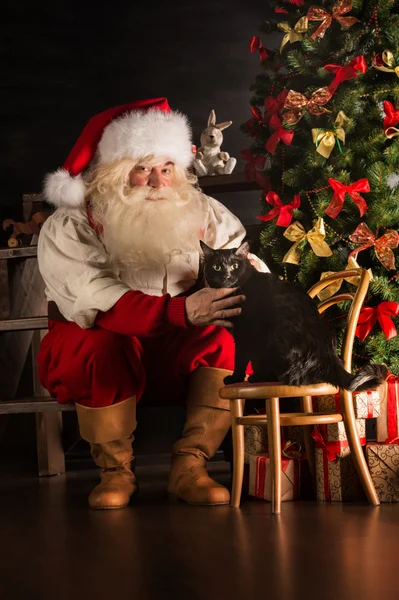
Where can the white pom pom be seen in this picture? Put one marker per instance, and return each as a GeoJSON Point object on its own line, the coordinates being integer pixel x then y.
{"type": "Point", "coordinates": [61, 189]}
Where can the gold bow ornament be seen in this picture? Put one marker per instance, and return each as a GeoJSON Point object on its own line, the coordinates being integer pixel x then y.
{"type": "Point", "coordinates": [340, 8]}
{"type": "Point", "coordinates": [293, 34]}
{"type": "Point", "coordinates": [296, 233]}
{"type": "Point", "coordinates": [296, 103]}
{"type": "Point", "coordinates": [384, 61]}
{"type": "Point", "coordinates": [325, 138]}
{"type": "Point", "coordinates": [334, 286]}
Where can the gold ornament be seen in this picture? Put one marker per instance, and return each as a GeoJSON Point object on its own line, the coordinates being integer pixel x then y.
{"type": "Point", "coordinates": [296, 103]}
{"type": "Point", "coordinates": [340, 8]}
{"type": "Point", "coordinates": [334, 286]}
{"type": "Point", "coordinates": [388, 59]}
{"type": "Point", "coordinates": [295, 34]}
{"type": "Point", "coordinates": [325, 139]}
{"type": "Point", "coordinates": [296, 233]}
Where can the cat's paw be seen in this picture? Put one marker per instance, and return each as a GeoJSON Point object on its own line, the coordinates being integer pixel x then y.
{"type": "Point", "coordinates": [232, 379]}
{"type": "Point", "coordinates": [255, 379]}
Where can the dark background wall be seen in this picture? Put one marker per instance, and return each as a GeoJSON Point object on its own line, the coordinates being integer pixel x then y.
{"type": "Point", "coordinates": [66, 61]}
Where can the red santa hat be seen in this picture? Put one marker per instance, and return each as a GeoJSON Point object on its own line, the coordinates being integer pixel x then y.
{"type": "Point", "coordinates": [135, 130]}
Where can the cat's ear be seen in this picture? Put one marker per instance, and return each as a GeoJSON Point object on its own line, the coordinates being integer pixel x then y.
{"type": "Point", "coordinates": [205, 249]}
{"type": "Point", "coordinates": [243, 250]}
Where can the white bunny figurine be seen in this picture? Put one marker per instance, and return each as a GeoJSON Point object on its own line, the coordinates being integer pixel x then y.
{"type": "Point", "coordinates": [209, 159]}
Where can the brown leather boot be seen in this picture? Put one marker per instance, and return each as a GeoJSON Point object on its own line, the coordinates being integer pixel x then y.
{"type": "Point", "coordinates": [109, 431]}
{"type": "Point", "coordinates": [208, 420]}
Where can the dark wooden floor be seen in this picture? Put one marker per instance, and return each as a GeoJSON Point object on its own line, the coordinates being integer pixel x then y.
{"type": "Point", "coordinates": [54, 547]}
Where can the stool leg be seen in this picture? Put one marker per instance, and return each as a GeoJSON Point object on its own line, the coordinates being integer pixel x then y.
{"type": "Point", "coordinates": [307, 407]}
{"type": "Point", "coordinates": [237, 431]}
{"type": "Point", "coordinates": [273, 432]}
{"type": "Point", "coordinates": [356, 448]}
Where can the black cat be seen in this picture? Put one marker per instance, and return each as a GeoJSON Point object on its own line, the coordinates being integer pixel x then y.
{"type": "Point", "coordinates": [280, 329]}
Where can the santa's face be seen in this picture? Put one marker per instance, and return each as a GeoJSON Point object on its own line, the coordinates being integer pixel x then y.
{"type": "Point", "coordinates": [156, 176]}
{"type": "Point", "coordinates": [157, 217]}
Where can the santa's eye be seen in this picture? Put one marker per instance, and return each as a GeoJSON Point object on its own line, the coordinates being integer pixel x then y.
{"type": "Point", "coordinates": [217, 267]}
{"type": "Point", "coordinates": [234, 266]}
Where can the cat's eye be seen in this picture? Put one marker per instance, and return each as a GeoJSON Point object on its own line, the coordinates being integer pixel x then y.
{"type": "Point", "coordinates": [217, 267]}
{"type": "Point", "coordinates": [234, 266]}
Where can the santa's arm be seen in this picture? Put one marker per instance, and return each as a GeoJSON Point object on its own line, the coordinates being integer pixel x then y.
{"type": "Point", "coordinates": [225, 230]}
{"type": "Point", "coordinates": [80, 280]}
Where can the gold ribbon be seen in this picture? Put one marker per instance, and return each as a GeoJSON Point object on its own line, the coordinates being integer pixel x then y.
{"type": "Point", "coordinates": [391, 132]}
{"type": "Point", "coordinates": [296, 103]}
{"type": "Point", "coordinates": [334, 286]}
{"type": "Point", "coordinates": [291, 449]}
{"type": "Point", "coordinates": [325, 139]}
{"type": "Point", "coordinates": [295, 34]}
{"type": "Point", "coordinates": [388, 60]}
{"type": "Point", "coordinates": [296, 233]}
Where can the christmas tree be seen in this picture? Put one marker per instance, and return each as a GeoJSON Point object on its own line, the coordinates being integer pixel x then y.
{"type": "Point", "coordinates": [325, 150]}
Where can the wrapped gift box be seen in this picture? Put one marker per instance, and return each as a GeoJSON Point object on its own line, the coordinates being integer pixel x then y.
{"type": "Point", "coordinates": [255, 441]}
{"type": "Point", "coordinates": [367, 405]}
{"type": "Point", "coordinates": [335, 436]}
{"type": "Point", "coordinates": [388, 421]}
{"type": "Point", "coordinates": [383, 462]}
{"type": "Point", "coordinates": [260, 477]}
{"type": "Point", "coordinates": [336, 480]}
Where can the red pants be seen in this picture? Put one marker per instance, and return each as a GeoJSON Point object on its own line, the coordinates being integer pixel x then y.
{"type": "Point", "coordinates": [96, 367]}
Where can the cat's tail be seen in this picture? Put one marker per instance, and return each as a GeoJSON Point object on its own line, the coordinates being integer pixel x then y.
{"type": "Point", "coordinates": [368, 378]}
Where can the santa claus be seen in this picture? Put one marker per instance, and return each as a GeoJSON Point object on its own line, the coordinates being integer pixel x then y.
{"type": "Point", "coordinates": [120, 260]}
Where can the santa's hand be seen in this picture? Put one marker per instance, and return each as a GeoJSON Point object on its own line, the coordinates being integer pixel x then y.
{"type": "Point", "coordinates": [213, 307]}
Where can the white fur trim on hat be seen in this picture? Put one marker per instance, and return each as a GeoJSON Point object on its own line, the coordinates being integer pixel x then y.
{"type": "Point", "coordinates": [139, 134]}
{"type": "Point", "coordinates": [61, 189]}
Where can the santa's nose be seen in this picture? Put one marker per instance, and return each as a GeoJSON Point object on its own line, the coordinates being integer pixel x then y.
{"type": "Point", "coordinates": [156, 180]}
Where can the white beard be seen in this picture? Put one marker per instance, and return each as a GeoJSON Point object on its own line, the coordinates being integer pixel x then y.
{"type": "Point", "coordinates": [149, 227]}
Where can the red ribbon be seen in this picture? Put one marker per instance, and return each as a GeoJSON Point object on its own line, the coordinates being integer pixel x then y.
{"type": "Point", "coordinates": [257, 119]}
{"type": "Point", "coordinates": [337, 202]}
{"type": "Point", "coordinates": [344, 73]}
{"type": "Point", "coordinates": [392, 115]}
{"type": "Point", "coordinates": [250, 169]}
{"type": "Point", "coordinates": [256, 45]}
{"type": "Point", "coordinates": [383, 313]}
{"type": "Point", "coordinates": [321, 443]}
{"type": "Point", "coordinates": [284, 211]}
{"type": "Point", "coordinates": [392, 409]}
{"type": "Point", "coordinates": [279, 9]}
{"type": "Point", "coordinates": [285, 135]}
{"type": "Point", "coordinates": [275, 105]}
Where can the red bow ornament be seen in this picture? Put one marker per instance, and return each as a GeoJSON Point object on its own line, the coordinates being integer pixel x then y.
{"type": "Point", "coordinates": [351, 71]}
{"type": "Point", "coordinates": [283, 211]}
{"type": "Point", "coordinates": [383, 313]}
{"type": "Point", "coordinates": [340, 190]}
{"type": "Point", "coordinates": [392, 117]}
{"type": "Point", "coordinates": [364, 236]}
{"type": "Point", "coordinates": [256, 45]}
{"type": "Point", "coordinates": [285, 135]}
{"type": "Point", "coordinates": [250, 169]}
{"type": "Point", "coordinates": [340, 8]}
{"type": "Point", "coordinates": [257, 119]}
{"type": "Point", "coordinates": [274, 105]}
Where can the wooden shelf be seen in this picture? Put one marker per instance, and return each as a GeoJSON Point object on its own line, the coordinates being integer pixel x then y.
{"type": "Point", "coordinates": [33, 405]}
{"type": "Point", "coordinates": [27, 323]}
{"type": "Point", "coordinates": [218, 184]}
{"type": "Point", "coordinates": [22, 252]}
